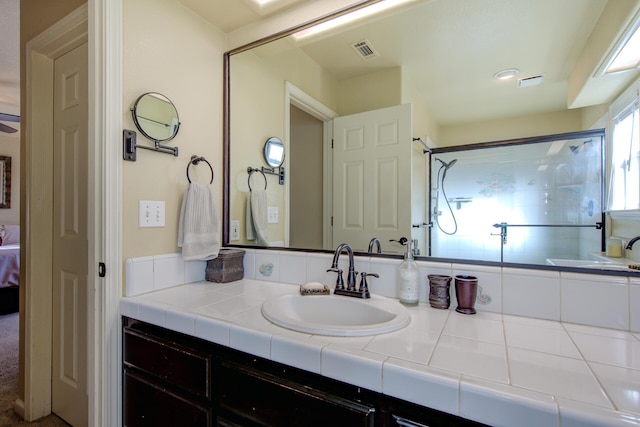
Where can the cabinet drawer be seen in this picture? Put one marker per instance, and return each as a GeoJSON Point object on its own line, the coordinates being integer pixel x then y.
{"type": "Point", "coordinates": [266, 399]}
{"type": "Point", "coordinates": [149, 405]}
{"type": "Point", "coordinates": [184, 367]}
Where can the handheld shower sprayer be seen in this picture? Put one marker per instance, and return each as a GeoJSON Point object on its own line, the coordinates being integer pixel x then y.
{"type": "Point", "coordinates": [446, 165]}
{"type": "Point", "coordinates": [440, 185]}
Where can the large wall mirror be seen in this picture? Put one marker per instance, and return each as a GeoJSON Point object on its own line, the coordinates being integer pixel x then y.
{"type": "Point", "coordinates": [405, 87]}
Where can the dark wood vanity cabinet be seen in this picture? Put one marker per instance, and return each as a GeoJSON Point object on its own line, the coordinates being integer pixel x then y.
{"type": "Point", "coordinates": [166, 378]}
{"type": "Point", "coordinates": [171, 379]}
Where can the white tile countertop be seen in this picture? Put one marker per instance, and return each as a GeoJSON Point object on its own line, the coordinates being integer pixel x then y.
{"type": "Point", "coordinates": [497, 369]}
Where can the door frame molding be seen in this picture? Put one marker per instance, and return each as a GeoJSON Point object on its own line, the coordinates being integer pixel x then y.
{"type": "Point", "coordinates": [99, 22]}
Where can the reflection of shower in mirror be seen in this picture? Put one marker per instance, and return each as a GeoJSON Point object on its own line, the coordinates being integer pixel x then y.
{"type": "Point", "coordinates": [440, 184]}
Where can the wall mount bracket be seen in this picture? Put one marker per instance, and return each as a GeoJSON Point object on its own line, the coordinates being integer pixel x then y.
{"type": "Point", "coordinates": [129, 146]}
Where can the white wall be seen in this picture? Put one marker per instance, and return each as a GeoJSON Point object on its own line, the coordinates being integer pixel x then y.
{"type": "Point", "coordinates": [169, 49]}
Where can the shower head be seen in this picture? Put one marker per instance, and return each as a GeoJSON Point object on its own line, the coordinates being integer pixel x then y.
{"type": "Point", "coordinates": [446, 165]}
{"type": "Point", "coordinates": [426, 148]}
{"type": "Point", "coordinates": [575, 149]}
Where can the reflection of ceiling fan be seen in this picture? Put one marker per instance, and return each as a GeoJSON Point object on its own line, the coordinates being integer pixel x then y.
{"type": "Point", "coordinates": [8, 118]}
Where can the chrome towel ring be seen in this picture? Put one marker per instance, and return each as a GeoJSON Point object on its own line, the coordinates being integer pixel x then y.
{"type": "Point", "coordinates": [250, 171]}
{"type": "Point", "coordinates": [194, 161]}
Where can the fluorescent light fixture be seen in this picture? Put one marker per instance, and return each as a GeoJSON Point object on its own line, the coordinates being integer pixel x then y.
{"type": "Point", "coordinates": [626, 55]}
{"type": "Point", "coordinates": [349, 17]}
{"type": "Point", "coordinates": [555, 148]}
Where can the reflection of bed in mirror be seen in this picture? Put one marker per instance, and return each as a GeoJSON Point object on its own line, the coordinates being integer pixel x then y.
{"type": "Point", "coordinates": [9, 268]}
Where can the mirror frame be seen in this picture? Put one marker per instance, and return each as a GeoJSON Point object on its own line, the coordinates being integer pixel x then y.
{"type": "Point", "coordinates": [273, 141]}
{"type": "Point", "coordinates": [139, 126]}
{"type": "Point", "coordinates": [226, 154]}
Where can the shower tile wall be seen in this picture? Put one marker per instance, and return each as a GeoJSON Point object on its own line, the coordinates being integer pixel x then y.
{"type": "Point", "coordinates": [532, 184]}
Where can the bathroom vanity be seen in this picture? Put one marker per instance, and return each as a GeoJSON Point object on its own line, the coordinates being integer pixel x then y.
{"type": "Point", "coordinates": [173, 379]}
{"type": "Point", "coordinates": [204, 354]}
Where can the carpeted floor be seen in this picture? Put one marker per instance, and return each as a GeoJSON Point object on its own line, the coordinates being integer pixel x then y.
{"type": "Point", "coordinates": [9, 377]}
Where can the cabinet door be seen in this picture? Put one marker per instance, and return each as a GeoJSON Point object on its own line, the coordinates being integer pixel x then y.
{"type": "Point", "coordinates": [169, 361]}
{"type": "Point", "coordinates": [265, 399]}
{"type": "Point", "coordinates": [147, 404]}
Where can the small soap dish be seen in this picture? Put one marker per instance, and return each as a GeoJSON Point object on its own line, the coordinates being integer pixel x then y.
{"type": "Point", "coordinates": [314, 288]}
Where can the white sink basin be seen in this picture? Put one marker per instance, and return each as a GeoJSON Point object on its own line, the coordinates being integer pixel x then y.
{"type": "Point", "coordinates": [336, 315]}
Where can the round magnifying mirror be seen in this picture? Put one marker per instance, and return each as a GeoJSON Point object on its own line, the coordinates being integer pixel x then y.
{"type": "Point", "coordinates": [156, 117]}
{"type": "Point", "coordinates": [274, 152]}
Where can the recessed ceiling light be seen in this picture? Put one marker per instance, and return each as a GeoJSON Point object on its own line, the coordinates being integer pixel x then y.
{"type": "Point", "coordinates": [506, 74]}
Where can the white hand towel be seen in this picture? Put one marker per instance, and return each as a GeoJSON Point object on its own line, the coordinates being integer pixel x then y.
{"type": "Point", "coordinates": [248, 219]}
{"type": "Point", "coordinates": [259, 215]}
{"type": "Point", "coordinates": [198, 233]}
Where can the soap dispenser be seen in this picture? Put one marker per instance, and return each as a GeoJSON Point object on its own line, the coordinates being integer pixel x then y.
{"type": "Point", "coordinates": [408, 273]}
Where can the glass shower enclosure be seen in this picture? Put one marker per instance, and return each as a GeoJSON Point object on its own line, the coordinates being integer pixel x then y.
{"type": "Point", "coordinates": [518, 201]}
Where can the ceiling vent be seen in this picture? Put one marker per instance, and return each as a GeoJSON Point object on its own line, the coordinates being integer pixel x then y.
{"type": "Point", "coordinates": [365, 50]}
{"type": "Point", "coordinates": [530, 81]}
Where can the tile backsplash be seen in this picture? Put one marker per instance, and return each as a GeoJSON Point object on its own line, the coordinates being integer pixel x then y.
{"type": "Point", "coordinates": [589, 299]}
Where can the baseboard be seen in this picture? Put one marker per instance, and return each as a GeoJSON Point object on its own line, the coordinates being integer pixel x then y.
{"type": "Point", "coordinates": [18, 408]}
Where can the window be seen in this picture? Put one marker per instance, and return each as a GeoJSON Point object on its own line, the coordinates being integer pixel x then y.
{"type": "Point", "coordinates": [624, 185]}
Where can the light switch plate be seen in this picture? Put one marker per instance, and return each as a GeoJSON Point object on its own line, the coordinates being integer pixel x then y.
{"type": "Point", "coordinates": [234, 233]}
{"type": "Point", "coordinates": [272, 215]}
{"type": "Point", "coordinates": [150, 213]}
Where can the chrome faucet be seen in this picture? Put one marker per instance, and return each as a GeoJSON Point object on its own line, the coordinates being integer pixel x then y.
{"type": "Point", "coordinates": [351, 275]}
{"type": "Point", "coordinates": [375, 242]}
{"type": "Point", "coordinates": [350, 290]}
{"type": "Point", "coordinates": [631, 242]}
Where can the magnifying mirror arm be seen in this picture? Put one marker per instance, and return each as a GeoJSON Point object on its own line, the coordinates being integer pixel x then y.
{"type": "Point", "coordinates": [130, 146]}
{"type": "Point", "coordinates": [275, 171]}
{"type": "Point", "coordinates": [161, 148]}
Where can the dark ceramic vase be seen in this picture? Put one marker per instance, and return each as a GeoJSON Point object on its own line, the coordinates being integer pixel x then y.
{"type": "Point", "coordinates": [466, 293]}
{"type": "Point", "coordinates": [439, 290]}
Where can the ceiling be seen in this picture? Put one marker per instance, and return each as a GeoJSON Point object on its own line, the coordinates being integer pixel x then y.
{"type": "Point", "coordinates": [451, 47]}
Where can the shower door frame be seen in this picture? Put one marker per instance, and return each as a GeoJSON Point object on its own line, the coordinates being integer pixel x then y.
{"type": "Point", "coordinates": [592, 133]}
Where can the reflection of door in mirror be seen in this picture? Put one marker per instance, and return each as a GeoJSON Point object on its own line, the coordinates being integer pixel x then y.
{"type": "Point", "coordinates": [305, 143]}
{"type": "Point", "coordinates": [372, 177]}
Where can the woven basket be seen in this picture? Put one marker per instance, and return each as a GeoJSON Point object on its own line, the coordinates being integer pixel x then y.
{"type": "Point", "coordinates": [227, 267]}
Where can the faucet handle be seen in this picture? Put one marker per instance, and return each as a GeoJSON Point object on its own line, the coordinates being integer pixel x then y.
{"type": "Point", "coordinates": [364, 288]}
{"type": "Point", "coordinates": [339, 280]}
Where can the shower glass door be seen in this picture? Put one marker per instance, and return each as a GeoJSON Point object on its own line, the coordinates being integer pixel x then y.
{"type": "Point", "coordinates": [521, 201]}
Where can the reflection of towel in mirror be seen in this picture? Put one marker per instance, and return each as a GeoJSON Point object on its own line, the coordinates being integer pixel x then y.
{"type": "Point", "coordinates": [248, 220]}
{"type": "Point", "coordinates": [198, 233]}
{"type": "Point", "coordinates": [256, 217]}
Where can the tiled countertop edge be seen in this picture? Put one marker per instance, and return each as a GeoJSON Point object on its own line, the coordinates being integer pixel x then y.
{"type": "Point", "coordinates": [469, 397]}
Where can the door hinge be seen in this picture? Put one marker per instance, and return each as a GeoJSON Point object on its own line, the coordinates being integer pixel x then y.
{"type": "Point", "coordinates": [332, 143]}
{"type": "Point", "coordinates": [332, 221]}
{"type": "Point", "coordinates": [102, 269]}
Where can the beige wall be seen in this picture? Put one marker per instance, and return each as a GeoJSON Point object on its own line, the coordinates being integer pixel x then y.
{"type": "Point", "coordinates": [258, 112]}
{"type": "Point", "coordinates": [370, 92]}
{"type": "Point", "coordinates": [10, 146]}
{"type": "Point", "coordinates": [169, 49]}
{"type": "Point", "coordinates": [516, 127]}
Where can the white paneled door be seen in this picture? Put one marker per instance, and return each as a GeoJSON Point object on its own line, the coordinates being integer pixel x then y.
{"type": "Point", "coordinates": [70, 245]}
{"type": "Point", "coordinates": [372, 177]}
